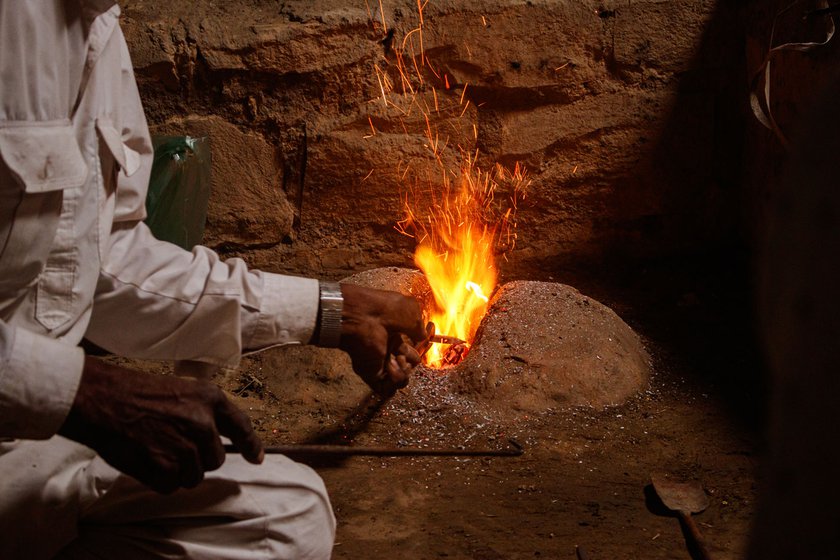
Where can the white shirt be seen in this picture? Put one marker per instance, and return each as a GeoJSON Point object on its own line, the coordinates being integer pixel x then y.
{"type": "Point", "coordinates": [75, 258]}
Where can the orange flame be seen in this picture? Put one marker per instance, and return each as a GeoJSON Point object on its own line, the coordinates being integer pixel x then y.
{"type": "Point", "coordinates": [459, 266]}
{"type": "Point", "coordinates": [459, 228]}
{"type": "Point", "coordinates": [456, 249]}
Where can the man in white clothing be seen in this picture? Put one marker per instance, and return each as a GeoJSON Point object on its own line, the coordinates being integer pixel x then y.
{"type": "Point", "coordinates": [97, 461]}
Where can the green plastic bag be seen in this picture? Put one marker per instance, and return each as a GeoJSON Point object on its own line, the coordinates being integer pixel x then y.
{"type": "Point", "coordinates": [179, 189]}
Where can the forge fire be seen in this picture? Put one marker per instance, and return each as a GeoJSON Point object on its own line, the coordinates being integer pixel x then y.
{"type": "Point", "coordinates": [461, 216]}
{"type": "Point", "coordinates": [457, 245]}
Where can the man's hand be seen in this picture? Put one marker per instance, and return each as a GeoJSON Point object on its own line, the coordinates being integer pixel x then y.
{"type": "Point", "coordinates": [372, 325]}
{"type": "Point", "coordinates": [164, 431]}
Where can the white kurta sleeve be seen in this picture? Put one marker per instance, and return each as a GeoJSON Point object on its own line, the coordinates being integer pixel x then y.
{"type": "Point", "coordinates": [155, 300]}
{"type": "Point", "coordinates": [38, 381]}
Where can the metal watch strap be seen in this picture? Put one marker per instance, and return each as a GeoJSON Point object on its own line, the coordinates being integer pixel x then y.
{"type": "Point", "coordinates": [329, 314]}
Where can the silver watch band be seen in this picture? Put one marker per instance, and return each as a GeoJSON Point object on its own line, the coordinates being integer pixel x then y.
{"type": "Point", "coordinates": [329, 314]}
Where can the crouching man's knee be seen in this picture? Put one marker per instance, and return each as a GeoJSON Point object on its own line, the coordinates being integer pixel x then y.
{"type": "Point", "coordinates": [298, 516]}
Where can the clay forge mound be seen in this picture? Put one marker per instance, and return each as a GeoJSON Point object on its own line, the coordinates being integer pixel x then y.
{"type": "Point", "coordinates": [403, 280]}
{"type": "Point", "coordinates": [543, 345]}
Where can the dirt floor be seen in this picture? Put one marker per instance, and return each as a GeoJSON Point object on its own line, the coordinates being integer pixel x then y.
{"type": "Point", "coordinates": [581, 482]}
{"type": "Point", "coordinates": [584, 478]}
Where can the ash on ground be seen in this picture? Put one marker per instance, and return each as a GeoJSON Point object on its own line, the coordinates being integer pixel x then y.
{"type": "Point", "coordinates": [542, 347]}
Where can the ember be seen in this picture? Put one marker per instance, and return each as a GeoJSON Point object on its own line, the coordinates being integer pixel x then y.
{"type": "Point", "coordinates": [454, 354]}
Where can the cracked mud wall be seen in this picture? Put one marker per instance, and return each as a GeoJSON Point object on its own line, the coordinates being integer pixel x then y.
{"type": "Point", "coordinates": [624, 113]}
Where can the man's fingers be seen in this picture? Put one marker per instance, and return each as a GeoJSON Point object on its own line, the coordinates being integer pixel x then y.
{"type": "Point", "coordinates": [368, 364]}
{"type": "Point", "coordinates": [397, 372]}
{"type": "Point", "coordinates": [399, 364]}
{"type": "Point", "coordinates": [409, 354]}
{"type": "Point", "coordinates": [212, 452]}
{"type": "Point", "coordinates": [190, 469]}
{"type": "Point", "coordinates": [160, 475]}
{"type": "Point", "coordinates": [370, 352]}
{"type": "Point", "coordinates": [236, 425]}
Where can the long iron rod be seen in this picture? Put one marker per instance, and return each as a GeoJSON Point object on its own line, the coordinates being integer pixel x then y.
{"type": "Point", "coordinates": [346, 450]}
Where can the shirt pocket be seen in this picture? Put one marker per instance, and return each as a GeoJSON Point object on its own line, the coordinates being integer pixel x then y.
{"type": "Point", "coordinates": [38, 162]}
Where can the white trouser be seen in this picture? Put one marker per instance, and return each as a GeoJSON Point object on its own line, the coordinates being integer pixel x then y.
{"type": "Point", "coordinates": [60, 498]}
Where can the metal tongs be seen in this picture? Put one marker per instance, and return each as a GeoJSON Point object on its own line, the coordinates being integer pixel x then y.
{"type": "Point", "coordinates": [432, 338]}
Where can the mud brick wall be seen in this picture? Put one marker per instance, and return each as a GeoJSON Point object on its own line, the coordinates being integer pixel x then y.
{"type": "Point", "coordinates": [628, 116]}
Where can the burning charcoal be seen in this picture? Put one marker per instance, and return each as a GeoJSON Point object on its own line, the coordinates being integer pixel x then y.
{"type": "Point", "coordinates": [455, 354]}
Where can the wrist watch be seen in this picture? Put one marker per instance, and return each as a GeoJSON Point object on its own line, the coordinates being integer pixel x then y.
{"type": "Point", "coordinates": [331, 303]}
